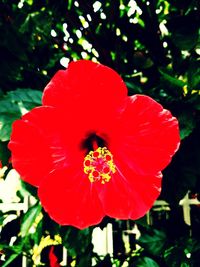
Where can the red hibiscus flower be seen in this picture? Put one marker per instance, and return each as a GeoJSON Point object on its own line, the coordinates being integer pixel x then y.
{"type": "Point", "coordinates": [91, 150]}
{"type": "Point", "coordinates": [52, 258]}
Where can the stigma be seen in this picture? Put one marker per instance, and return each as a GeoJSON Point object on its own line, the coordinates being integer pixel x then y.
{"type": "Point", "coordinates": [99, 165]}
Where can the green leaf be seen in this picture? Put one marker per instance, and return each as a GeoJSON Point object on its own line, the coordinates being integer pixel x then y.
{"type": "Point", "coordinates": [174, 255]}
{"type": "Point", "coordinates": [29, 98]}
{"type": "Point", "coordinates": [29, 2]}
{"type": "Point", "coordinates": [38, 233]}
{"type": "Point", "coordinates": [4, 153]}
{"type": "Point", "coordinates": [133, 88]}
{"type": "Point", "coordinates": [153, 241]}
{"type": "Point", "coordinates": [70, 2]}
{"type": "Point", "coordinates": [185, 42]}
{"type": "Point", "coordinates": [29, 218]}
{"type": "Point", "coordinates": [146, 262]}
{"type": "Point", "coordinates": [184, 31]}
{"type": "Point", "coordinates": [9, 112]}
{"type": "Point", "coordinates": [13, 252]}
{"type": "Point", "coordinates": [13, 105]}
{"type": "Point", "coordinates": [10, 259]}
{"type": "Point", "coordinates": [193, 76]}
{"type": "Point", "coordinates": [77, 242]}
{"type": "Point", "coordinates": [187, 124]}
{"type": "Point", "coordinates": [13, 249]}
{"type": "Point", "coordinates": [6, 121]}
{"type": "Point", "coordinates": [184, 264]}
{"type": "Point", "coordinates": [171, 79]}
{"type": "Point", "coordinates": [7, 106]}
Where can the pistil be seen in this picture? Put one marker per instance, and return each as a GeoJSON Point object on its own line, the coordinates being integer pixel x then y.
{"type": "Point", "coordinates": [99, 165]}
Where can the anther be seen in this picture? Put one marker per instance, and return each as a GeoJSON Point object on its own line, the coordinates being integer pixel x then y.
{"type": "Point", "coordinates": [99, 165]}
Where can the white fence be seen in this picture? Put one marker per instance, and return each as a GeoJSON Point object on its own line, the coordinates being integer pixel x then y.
{"type": "Point", "coordinates": [103, 239]}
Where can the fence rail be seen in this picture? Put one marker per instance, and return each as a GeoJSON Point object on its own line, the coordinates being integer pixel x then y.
{"type": "Point", "coordinates": [103, 240]}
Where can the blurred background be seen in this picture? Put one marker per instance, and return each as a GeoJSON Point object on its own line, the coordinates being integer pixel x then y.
{"type": "Point", "coordinates": [155, 47]}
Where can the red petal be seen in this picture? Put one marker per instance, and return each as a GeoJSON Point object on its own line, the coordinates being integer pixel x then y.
{"type": "Point", "coordinates": [147, 136]}
{"type": "Point", "coordinates": [128, 195]}
{"type": "Point", "coordinates": [52, 258]}
{"type": "Point", "coordinates": [84, 78]}
{"type": "Point", "coordinates": [35, 144]}
{"type": "Point", "coordinates": [70, 199]}
{"type": "Point", "coordinates": [87, 87]}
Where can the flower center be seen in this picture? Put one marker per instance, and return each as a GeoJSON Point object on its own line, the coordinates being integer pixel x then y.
{"type": "Point", "coordinates": [99, 165]}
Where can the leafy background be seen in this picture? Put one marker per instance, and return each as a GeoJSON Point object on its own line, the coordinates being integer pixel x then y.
{"type": "Point", "coordinates": [154, 46]}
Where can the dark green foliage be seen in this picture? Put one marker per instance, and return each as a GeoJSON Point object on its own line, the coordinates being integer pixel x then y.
{"type": "Point", "coordinates": [13, 105]}
{"type": "Point", "coordinates": [155, 48]}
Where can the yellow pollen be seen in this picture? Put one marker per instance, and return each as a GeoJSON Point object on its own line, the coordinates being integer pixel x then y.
{"type": "Point", "coordinates": [99, 165]}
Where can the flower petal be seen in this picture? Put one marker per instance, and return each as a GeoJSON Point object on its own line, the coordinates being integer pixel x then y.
{"type": "Point", "coordinates": [70, 201]}
{"type": "Point", "coordinates": [36, 144]}
{"type": "Point", "coordinates": [53, 260]}
{"type": "Point", "coordinates": [147, 135]}
{"type": "Point", "coordinates": [128, 195]}
{"type": "Point", "coordinates": [95, 88]}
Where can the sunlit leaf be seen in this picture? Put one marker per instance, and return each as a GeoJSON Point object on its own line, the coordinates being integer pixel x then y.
{"type": "Point", "coordinates": [70, 2]}
{"type": "Point", "coordinates": [38, 233]}
{"type": "Point", "coordinates": [29, 2]}
{"type": "Point", "coordinates": [29, 219]}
